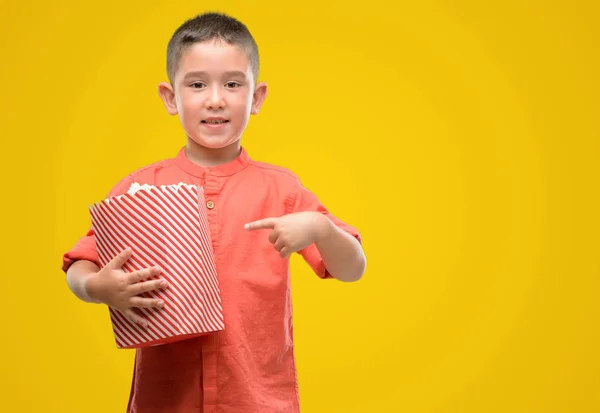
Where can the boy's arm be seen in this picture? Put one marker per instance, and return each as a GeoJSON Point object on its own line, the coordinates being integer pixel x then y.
{"type": "Point", "coordinates": [332, 248]}
{"type": "Point", "coordinates": [341, 252]}
{"type": "Point", "coordinates": [336, 253]}
{"type": "Point", "coordinates": [110, 285]}
{"type": "Point", "coordinates": [77, 277]}
{"type": "Point", "coordinates": [82, 259]}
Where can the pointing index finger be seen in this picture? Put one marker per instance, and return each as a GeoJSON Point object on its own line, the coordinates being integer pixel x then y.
{"type": "Point", "coordinates": [267, 223]}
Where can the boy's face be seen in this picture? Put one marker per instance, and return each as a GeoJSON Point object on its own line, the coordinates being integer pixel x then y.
{"type": "Point", "coordinates": [214, 93]}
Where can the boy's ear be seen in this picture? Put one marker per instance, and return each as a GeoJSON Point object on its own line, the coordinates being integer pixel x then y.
{"type": "Point", "coordinates": [259, 96]}
{"type": "Point", "coordinates": [167, 94]}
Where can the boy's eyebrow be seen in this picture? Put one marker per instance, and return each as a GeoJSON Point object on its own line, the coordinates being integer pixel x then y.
{"type": "Point", "coordinates": [231, 73]}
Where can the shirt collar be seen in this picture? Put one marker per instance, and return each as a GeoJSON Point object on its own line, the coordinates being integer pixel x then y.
{"type": "Point", "coordinates": [226, 169]}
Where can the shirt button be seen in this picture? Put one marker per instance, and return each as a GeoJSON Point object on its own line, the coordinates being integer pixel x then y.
{"type": "Point", "coordinates": [210, 204]}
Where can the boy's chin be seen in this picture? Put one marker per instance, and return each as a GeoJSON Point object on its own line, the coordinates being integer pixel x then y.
{"type": "Point", "coordinates": [214, 144]}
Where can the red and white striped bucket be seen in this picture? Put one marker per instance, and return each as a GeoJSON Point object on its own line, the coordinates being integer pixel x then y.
{"type": "Point", "coordinates": [165, 226]}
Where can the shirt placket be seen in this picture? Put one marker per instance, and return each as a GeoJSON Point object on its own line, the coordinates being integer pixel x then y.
{"type": "Point", "coordinates": [212, 189]}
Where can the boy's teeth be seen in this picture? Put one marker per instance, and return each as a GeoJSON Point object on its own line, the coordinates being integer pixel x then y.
{"type": "Point", "coordinates": [215, 121]}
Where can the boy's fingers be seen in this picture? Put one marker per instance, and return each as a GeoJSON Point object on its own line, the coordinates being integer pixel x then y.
{"type": "Point", "coordinates": [267, 223]}
{"type": "Point", "coordinates": [279, 245]}
{"type": "Point", "coordinates": [273, 237]}
{"type": "Point", "coordinates": [146, 302]}
{"type": "Point", "coordinates": [132, 316]}
{"type": "Point", "coordinates": [120, 259]}
{"type": "Point", "coordinates": [146, 286]}
{"type": "Point", "coordinates": [140, 275]}
{"type": "Point", "coordinates": [285, 252]}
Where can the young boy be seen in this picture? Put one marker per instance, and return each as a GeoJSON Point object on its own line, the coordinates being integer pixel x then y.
{"type": "Point", "coordinates": [259, 215]}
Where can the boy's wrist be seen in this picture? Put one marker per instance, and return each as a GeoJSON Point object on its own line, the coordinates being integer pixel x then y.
{"type": "Point", "coordinates": [87, 289]}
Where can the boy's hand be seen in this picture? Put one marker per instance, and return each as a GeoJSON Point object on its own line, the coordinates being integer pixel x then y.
{"type": "Point", "coordinates": [293, 232]}
{"type": "Point", "coordinates": [119, 289]}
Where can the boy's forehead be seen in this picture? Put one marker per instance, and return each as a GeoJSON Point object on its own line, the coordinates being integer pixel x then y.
{"type": "Point", "coordinates": [213, 57]}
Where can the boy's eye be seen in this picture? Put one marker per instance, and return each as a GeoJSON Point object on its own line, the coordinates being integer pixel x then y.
{"type": "Point", "coordinates": [232, 85]}
{"type": "Point", "coordinates": [197, 85]}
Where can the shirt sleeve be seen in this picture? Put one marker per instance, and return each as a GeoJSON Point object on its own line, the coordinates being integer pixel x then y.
{"type": "Point", "coordinates": [85, 247]}
{"type": "Point", "coordinates": [302, 199]}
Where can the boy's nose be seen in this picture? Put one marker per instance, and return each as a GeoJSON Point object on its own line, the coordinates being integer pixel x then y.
{"type": "Point", "coordinates": [215, 99]}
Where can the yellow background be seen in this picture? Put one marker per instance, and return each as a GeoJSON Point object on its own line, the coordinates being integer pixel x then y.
{"type": "Point", "coordinates": [460, 137]}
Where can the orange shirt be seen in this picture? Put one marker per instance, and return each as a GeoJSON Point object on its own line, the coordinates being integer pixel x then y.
{"type": "Point", "coordinates": [249, 366]}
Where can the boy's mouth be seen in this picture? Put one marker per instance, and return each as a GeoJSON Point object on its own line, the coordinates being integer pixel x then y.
{"type": "Point", "coordinates": [215, 121]}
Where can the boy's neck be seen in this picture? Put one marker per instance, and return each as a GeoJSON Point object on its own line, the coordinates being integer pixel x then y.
{"type": "Point", "coordinates": [209, 157]}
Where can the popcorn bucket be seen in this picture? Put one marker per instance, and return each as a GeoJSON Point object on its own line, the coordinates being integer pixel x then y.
{"type": "Point", "coordinates": [165, 226]}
